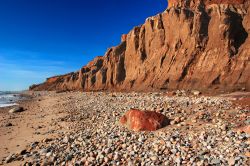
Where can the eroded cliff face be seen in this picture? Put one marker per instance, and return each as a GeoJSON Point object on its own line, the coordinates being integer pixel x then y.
{"type": "Point", "coordinates": [191, 45]}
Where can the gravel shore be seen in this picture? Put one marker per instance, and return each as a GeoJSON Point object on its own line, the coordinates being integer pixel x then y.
{"type": "Point", "coordinates": [75, 128]}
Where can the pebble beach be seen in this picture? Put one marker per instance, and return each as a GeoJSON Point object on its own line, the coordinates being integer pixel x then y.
{"type": "Point", "coordinates": [76, 128]}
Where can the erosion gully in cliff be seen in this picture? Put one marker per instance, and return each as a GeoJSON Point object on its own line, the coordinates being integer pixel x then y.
{"type": "Point", "coordinates": [191, 45]}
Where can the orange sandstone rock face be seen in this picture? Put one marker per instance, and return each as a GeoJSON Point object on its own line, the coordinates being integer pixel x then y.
{"type": "Point", "coordinates": [201, 45]}
{"type": "Point", "coordinates": [124, 38]}
{"type": "Point", "coordinates": [137, 120]}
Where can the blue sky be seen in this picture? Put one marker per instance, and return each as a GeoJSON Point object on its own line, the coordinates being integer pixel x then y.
{"type": "Point", "coordinates": [42, 38]}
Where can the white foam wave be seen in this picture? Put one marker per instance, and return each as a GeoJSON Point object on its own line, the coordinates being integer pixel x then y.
{"type": "Point", "coordinates": [7, 105]}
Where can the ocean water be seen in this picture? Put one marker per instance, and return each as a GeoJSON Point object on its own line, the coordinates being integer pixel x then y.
{"type": "Point", "coordinates": [9, 98]}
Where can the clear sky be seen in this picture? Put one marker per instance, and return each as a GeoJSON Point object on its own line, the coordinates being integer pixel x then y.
{"type": "Point", "coordinates": [42, 38]}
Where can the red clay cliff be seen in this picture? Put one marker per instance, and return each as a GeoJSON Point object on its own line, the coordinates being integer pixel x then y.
{"type": "Point", "coordinates": [191, 45]}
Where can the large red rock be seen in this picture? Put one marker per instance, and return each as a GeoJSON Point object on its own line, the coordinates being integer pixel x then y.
{"type": "Point", "coordinates": [193, 44]}
{"type": "Point", "coordinates": [245, 129]}
{"type": "Point", "coordinates": [137, 120]}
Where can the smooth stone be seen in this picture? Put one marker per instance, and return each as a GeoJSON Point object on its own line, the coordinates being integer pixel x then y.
{"type": "Point", "coordinates": [216, 161]}
{"type": "Point", "coordinates": [43, 151]}
{"type": "Point", "coordinates": [8, 125]}
{"type": "Point", "coordinates": [196, 93]}
{"type": "Point", "coordinates": [154, 158]}
{"type": "Point", "coordinates": [106, 159]}
{"type": "Point", "coordinates": [49, 154]}
{"type": "Point", "coordinates": [34, 144]}
{"type": "Point", "coordinates": [91, 159]}
{"type": "Point", "coordinates": [16, 110]}
{"type": "Point", "coordinates": [66, 139]}
{"type": "Point", "coordinates": [69, 157]}
{"type": "Point", "coordinates": [23, 152]}
{"type": "Point", "coordinates": [231, 161]}
{"type": "Point", "coordinates": [9, 158]}
{"type": "Point", "coordinates": [178, 160]}
{"type": "Point", "coordinates": [124, 146]}
{"type": "Point", "coordinates": [116, 157]}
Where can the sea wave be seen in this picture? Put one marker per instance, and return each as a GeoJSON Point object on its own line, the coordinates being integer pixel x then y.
{"type": "Point", "coordinates": [8, 98]}
{"type": "Point", "coordinates": [7, 105]}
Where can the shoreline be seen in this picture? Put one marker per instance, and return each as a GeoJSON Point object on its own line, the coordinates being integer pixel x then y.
{"type": "Point", "coordinates": [77, 120]}
{"type": "Point", "coordinates": [11, 99]}
{"type": "Point", "coordinates": [17, 131]}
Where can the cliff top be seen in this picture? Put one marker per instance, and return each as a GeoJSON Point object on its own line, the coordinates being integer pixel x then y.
{"type": "Point", "coordinates": [206, 2]}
